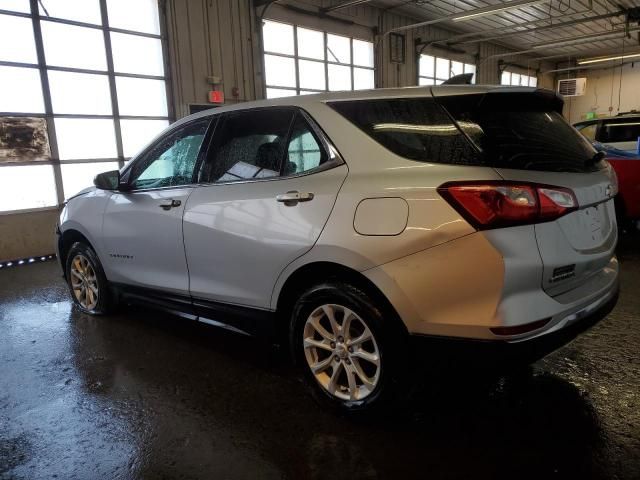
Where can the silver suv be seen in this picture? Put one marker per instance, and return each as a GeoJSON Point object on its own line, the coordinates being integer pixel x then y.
{"type": "Point", "coordinates": [354, 225]}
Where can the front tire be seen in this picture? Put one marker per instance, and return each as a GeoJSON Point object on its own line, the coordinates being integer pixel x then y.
{"type": "Point", "coordinates": [86, 279]}
{"type": "Point", "coordinates": [349, 348]}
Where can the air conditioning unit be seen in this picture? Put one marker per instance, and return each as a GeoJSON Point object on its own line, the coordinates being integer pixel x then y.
{"type": "Point", "coordinates": [572, 87]}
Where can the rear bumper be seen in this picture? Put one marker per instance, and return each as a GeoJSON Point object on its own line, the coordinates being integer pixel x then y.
{"type": "Point", "coordinates": [467, 353]}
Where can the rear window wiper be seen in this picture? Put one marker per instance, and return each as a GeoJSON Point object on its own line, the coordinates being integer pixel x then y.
{"type": "Point", "coordinates": [596, 158]}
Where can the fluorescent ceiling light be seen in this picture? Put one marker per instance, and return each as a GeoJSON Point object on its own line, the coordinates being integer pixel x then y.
{"type": "Point", "coordinates": [606, 59]}
{"type": "Point", "coordinates": [493, 9]}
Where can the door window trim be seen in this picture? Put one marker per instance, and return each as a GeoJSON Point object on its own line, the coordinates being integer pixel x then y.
{"type": "Point", "coordinates": [204, 148]}
{"type": "Point", "coordinates": [334, 158]}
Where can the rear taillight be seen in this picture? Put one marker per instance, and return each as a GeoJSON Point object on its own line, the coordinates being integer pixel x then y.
{"type": "Point", "coordinates": [496, 204]}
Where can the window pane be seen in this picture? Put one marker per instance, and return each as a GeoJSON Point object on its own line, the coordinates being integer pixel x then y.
{"type": "Point", "coordinates": [457, 68]}
{"type": "Point", "coordinates": [308, 92]}
{"type": "Point", "coordinates": [278, 37]}
{"type": "Point", "coordinates": [304, 151]}
{"type": "Point", "coordinates": [427, 66]}
{"type": "Point", "coordinates": [85, 138]}
{"type": "Point", "coordinates": [279, 93]}
{"type": "Point", "coordinates": [141, 96]}
{"type": "Point", "coordinates": [23, 187]}
{"type": "Point", "coordinates": [339, 77]}
{"type": "Point", "coordinates": [533, 81]}
{"type": "Point", "coordinates": [78, 176]}
{"type": "Point", "coordinates": [16, 6]}
{"type": "Point", "coordinates": [442, 68]}
{"type": "Point", "coordinates": [338, 49]}
{"type": "Point", "coordinates": [87, 11]}
{"type": "Point", "coordinates": [515, 79]}
{"type": "Point", "coordinates": [135, 54]}
{"type": "Point", "coordinates": [310, 43]}
{"type": "Point", "coordinates": [280, 71]}
{"type": "Point", "coordinates": [16, 40]}
{"type": "Point", "coordinates": [505, 79]}
{"type": "Point", "coordinates": [136, 134]}
{"type": "Point", "coordinates": [363, 78]}
{"type": "Point", "coordinates": [136, 15]}
{"type": "Point", "coordinates": [71, 46]}
{"type": "Point", "coordinates": [426, 81]}
{"type": "Point", "coordinates": [21, 90]}
{"type": "Point", "coordinates": [79, 93]}
{"type": "Point", "coordinates": [171, 161]}
{"type": "Point", "coordinates": [417, 129]}
{"type": "Point", "coordinates": [362, 53]}
{"type": "Point", "coordinates": [311, 75]}
{"type": "Point", "coordinates": [589, 131]}
{"type": "Point", "coordinates": [249, 145]}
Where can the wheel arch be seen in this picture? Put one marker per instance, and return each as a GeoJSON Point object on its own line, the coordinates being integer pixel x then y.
{"type": "Point", "coordinates": [313, 273]}
{"type": "Point", "coordinates": [66, 240]}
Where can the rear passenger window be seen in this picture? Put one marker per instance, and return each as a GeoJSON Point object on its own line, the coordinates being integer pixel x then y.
{"type": "Point", "coordinates": [414, 128]}
{"type": "Point", "coordinates": [589, 131]}
{"type": "Point", "coordinates": [620, 131]}
{"type": "Point", "coordinates": [304, 151]}
{"type": "Point", "coordinates": [248, 145]}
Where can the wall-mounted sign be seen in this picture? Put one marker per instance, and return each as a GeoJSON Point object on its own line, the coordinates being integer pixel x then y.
{"type": "Point", "coordinates": [23, 139]}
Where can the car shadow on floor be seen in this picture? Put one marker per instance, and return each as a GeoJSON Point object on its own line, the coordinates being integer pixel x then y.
{"type": "Point", "coordinates": [201, 399]}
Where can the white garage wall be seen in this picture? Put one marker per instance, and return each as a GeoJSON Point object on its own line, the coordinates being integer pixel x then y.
{"type": "Point", "coordinates": [605, 90]}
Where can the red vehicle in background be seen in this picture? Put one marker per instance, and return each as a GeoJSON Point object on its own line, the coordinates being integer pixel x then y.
{"type": "Point", "coordinates": [619, 138]}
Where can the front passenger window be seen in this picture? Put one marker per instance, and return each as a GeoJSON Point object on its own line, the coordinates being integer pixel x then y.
{"type": "Point", "coordinates": [172, 160]}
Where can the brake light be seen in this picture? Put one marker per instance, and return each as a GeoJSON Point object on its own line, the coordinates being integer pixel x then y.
{"type": "Point", "coordinates": [496, 204]}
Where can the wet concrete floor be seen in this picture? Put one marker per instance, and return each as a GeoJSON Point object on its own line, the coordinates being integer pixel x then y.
{"type": "Point", "coordinates": [143, 395]}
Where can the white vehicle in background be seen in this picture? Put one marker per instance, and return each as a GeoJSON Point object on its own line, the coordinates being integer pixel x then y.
{"type": "Point", "coordinates": [353, 225]}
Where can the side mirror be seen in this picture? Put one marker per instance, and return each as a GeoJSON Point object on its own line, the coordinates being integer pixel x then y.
{"type": "Point", "coordinates": [107, 180]}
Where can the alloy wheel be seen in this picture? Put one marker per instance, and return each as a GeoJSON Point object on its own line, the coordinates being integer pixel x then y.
{"type": "Point", "coordinates": [341, 352]}
{"type": "Point", "coordinates": [84, 282]}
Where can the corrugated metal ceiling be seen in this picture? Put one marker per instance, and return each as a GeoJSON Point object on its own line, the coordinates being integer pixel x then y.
{"type": "Point", "coordinates": [553, 12]}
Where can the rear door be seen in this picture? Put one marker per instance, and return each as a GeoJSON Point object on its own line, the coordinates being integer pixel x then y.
{"type": "Point", "coordinates": [267, 188]}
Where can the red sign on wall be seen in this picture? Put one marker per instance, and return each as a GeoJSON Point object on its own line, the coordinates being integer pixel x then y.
{"type": "Point", "coordinates": [216, 96]}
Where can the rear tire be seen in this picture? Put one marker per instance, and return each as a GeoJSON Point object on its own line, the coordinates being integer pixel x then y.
{"type": "Point", "coordinates": [87, 282]}
{"type": "Point", "coordinates": [349, 349]}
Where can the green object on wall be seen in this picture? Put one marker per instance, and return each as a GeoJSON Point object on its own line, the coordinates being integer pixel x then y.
{"type": "Point", "coordinates": [590, 115]}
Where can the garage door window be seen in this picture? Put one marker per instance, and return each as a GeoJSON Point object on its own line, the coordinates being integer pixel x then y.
{"type": "Point", "coordinates": [92, 71]}
{"type": "Point", "coordinates": [301, 61]}
{"type": "Point", "coordinates": [435, 70]}
{"type": "Point", "coordinates": [518, 79]}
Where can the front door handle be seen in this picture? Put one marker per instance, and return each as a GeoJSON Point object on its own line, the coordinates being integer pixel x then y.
{"type": "Point", "coordinates": [292, 198]}
{"type": "Point", "coordinates": [172, 204]}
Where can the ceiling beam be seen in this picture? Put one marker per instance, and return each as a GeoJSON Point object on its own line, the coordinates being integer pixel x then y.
{"type": "Point", "coordinates": [543, 28]}
{"type": "Point", "coordinates": [470, 14]}
{"type": "Point", "coordinates": [565, 42]}
{"type": "Point", "coordinates": [340, 6]}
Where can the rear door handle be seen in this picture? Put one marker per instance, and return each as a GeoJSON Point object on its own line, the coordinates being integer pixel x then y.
{"type": "Point", "coordinates": [172, 204]}
{"type": "Point", "coordinates": [292, 198]}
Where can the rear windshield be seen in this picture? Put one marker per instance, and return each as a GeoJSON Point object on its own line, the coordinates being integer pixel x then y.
{"type": "Point", "coordinates": [500, 130]}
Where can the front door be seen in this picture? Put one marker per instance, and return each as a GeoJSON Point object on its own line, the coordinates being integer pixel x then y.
{"type": "Point", "coordinates": [271, 182]}
{"type": "Point", "coordinates": [142, 227]}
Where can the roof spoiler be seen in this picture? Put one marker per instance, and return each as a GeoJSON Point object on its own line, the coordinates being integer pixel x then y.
{"type": "Point", "coordinates": [461, 79]}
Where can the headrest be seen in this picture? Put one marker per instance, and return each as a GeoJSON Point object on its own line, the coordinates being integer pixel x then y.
{"type": "Point", "coordinates": [269, 155]}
